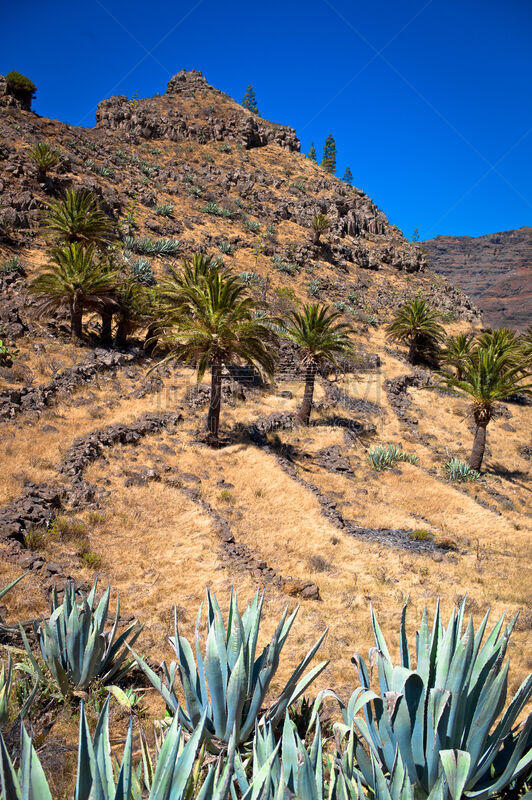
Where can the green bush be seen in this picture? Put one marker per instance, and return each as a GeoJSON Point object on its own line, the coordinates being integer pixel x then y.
{"type": "Point", "coordinates": [314, 287]}
{"type": "Point", "coordinates": [460, 471]}
{"type": "Point", "coordinates": [286, 267]}
{"type": "Point", "coordinates": [11, 265]}
{"type": "Point", "coordinates": [142, 270]}
{"type": "Point", "coordinates": [252, 225]}
{"type": "Point", "coordinates": [386, 456]}
{"type": "Point", "coordinates": [21, 87]}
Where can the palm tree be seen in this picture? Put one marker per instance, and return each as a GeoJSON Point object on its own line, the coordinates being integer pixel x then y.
{"type": "Point", "coordinates": [132, 308]}
{"type": "Point", "coordinates": [504, 342]}
{"type": "Point", "coordinates": [44, 157]}
{"type": "Point", "coordinates": [77, 217]}
{"type": "Point", "coordinates": [214, 323]}
{"type": "Point", "coordinates": [456, 350]}
{"type": "Point", "coordinates": [525, 343]}
{"type": "Point", "coordinates": [171, 291]}
{"type": "Point", "coordinates": [75, 279]}
{"type": "Point", "coordinates": [320, 223]}
{"type": "Point", "coordinates": [486, 379]}
{"type": "Point", "coordinates": [416, 324]}
{"type": "Point", "coordinates": [320, 339]}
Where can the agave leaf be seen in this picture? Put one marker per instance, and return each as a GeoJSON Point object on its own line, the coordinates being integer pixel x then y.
{"type": "Point", "coordinates": [165, 691]}
{"type": "Point", "coordinates": [456, 765]}
{"type": "Point", "coordinates": [215, 680]}
{"type": "Point", "coordinates": [236, 695]}
{"type": "Point", "coordinates": [405, 653]}
{"type": "Point", "coordinates": [9, 783]}
{"type": "Point", "coordinates": [5, 589]}
{"type": "Point", "coordinates": [34, 783]}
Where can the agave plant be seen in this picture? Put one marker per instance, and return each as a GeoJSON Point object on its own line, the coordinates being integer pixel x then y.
{"type": "Point", "coordinates": [386, 456]}
{"type": "Point", "coordinates": [100, 776]}
{"type": "Point", "coordinates": [228, 683]}
{"type": "Point", "coordinates": [74, 644]}
{"type": "Point", "coordinates": [146, 246]}
{"type": "Point", "coordinates": [460, 471]}
{"type": "Point", "coordinates": [444, 717]}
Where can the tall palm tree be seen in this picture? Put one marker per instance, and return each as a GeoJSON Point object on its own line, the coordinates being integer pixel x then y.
{"type": "Point", "coordinates": [416, 323]}
{"type": "Point", "coordinates": [320, 339]}
{"type": "Point", "coordinates": [457, 350]}
{"type": "Point", "coordinates": [75, 279]}
{"type": "Point", "coordinates": [214, 323]}
{"type": "Point", "coordinates": [486, 379]}
{"type": "Point", "coordinates": [77, 217]}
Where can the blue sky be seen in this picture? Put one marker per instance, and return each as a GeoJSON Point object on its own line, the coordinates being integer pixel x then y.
{"type": "Point", "coordinates": [429, 100]}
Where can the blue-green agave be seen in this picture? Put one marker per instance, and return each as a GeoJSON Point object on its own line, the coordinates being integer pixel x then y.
{"type": "Point", "coordinates": [75, 645]}
{"type": "Point", "coordinates": [229, 682]}
{"type": "Point", "coordinates": [444, 719]}
{"type": "Point", "coordinates": [100, 776]}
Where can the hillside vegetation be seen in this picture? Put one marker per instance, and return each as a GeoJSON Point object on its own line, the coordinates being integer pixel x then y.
{"type": "Point", "coordinates": [124, 251]}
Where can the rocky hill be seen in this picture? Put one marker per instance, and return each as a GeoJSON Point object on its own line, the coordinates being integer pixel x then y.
{"type": "Point", "coordinates": [105, 466]}
{"type": "Point", "coordinates": [494, 270]}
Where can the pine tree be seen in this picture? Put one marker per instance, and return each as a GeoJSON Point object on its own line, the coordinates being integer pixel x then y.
{"type": "Point", "coordinates": [328, 161]}
{"type": "Point", "coordinates": [348, 176]}
{"type": "Point", "coordinates": [415, 235]}
{"type": "Point", "coordinates": [249, 100]}
{"type": "Point", "coordinates": [312, 153]}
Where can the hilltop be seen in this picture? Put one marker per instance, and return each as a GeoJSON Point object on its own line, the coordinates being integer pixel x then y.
{"type": "Point", "coordinates": [495, 270]}
{"type": "Point", "coordinates": [118, 457]}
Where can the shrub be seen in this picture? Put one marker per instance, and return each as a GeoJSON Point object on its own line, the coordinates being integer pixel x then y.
{"type": "Point", "coordinates": [227, 497]}
{"type": "Point", "coordinates": [386, 456]}
{"type": "Point", "coordinates": [460, 471]}
{"type": "Point", "coordinates": [11, 265]}
{"type": "Point", "coordinates": [250, 277]}
{"type": "Point", "coordinates": [165, 210]}
{"type": "Point", "coordinates": [67, 527]}
{"type": "Point", "coordinates": [152, 247]}
{"type": "Point", "coordinates": [252, 225]}
{"type": "Point", "coordinates": [224, 148]}
{"type": "Point", "coordinates": [105, 172]}
{"type": "Point", "coordinates": [21, 87]}
{"type": "Point", "coordinates": [194, 190]}
{"type": "Point", "coordinates": [421, 535]}
{"type": "Point", "coordinates": [90, 559]}
{"type": "Point", "coordinates": [7, 354]}
{"type": "Point", "coordinates": [35, 538]}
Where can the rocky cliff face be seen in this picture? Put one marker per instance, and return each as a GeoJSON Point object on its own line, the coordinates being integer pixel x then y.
{"type": "Point", "coordinates": [494, 270]}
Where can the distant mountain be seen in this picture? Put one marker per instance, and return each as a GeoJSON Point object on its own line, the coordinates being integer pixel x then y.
{"type": "Point", "coordinates": [494, 270]}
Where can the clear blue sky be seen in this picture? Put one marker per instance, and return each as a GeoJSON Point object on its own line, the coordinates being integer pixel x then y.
{"type": "Point", "coordinates": [429, 100]}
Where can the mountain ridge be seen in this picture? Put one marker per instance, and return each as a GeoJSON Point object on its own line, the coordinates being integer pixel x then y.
{"type": "Point", "coordinates": [494, 269]}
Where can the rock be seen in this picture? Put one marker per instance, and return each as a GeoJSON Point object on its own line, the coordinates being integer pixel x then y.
{"type": "Point", "coordinates": [305, 589]}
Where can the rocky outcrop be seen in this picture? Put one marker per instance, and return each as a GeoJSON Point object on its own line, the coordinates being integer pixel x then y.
{"type": "Point", "coordinates": [167, 118]}
{"type": "Point", "coordinates": [494, 270]}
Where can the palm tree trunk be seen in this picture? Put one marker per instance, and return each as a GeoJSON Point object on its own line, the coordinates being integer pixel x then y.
{"type": "Point", "coordinates": [151, 338]}
{"type": "Point", "coordinates": [107, 320]}
{"type": "Point", "coordinates": [213, 417]}
{"type": "Point", "coordinates": [479, 444]}
{"type": "Point", "coordinates": [121, 334]}
{"type": "Point", "coordinates": [412, 351]}
{"type": "Point", "coordinates": [76, 319]}
{"type": "Point", "coordinates": [306, 406]}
